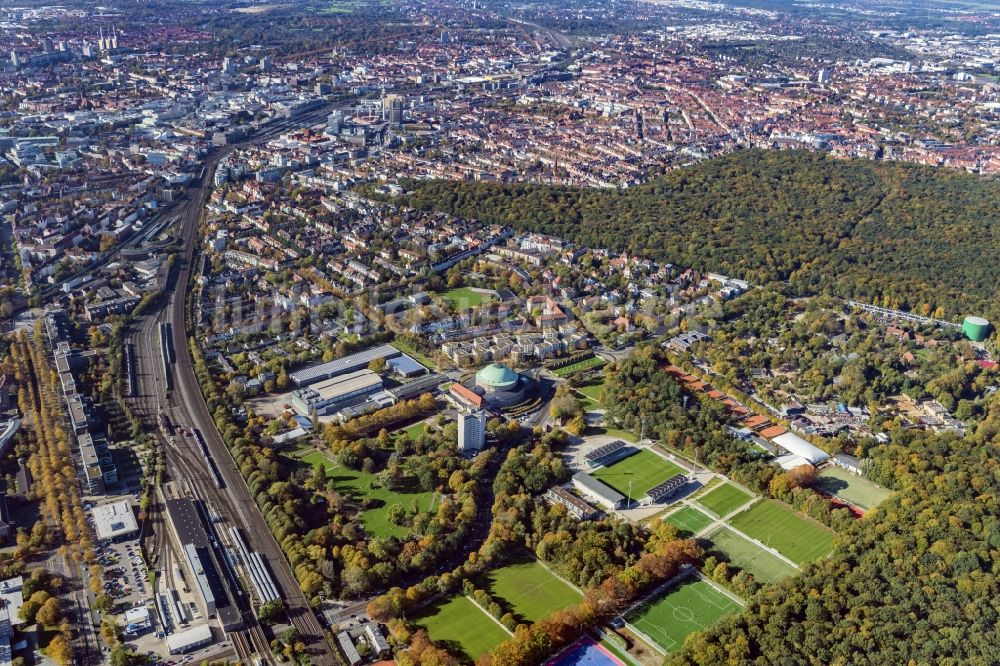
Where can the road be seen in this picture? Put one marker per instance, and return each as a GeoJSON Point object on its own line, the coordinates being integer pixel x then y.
{"type": "Point", "coordinates": [187, 409]}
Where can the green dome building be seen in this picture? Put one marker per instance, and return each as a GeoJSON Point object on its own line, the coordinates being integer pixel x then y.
{"type": "Point", "coordinates": [976, 328]}
{"type": "Point", "coordinates": [503, 387]}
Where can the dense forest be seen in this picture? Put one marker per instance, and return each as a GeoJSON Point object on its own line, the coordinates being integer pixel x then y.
{"type": "Point", "coordinates": [899, 235]}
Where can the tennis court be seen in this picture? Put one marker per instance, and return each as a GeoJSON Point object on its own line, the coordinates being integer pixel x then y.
{"type": "Point", "coordinates": [742, 553]}
{"type": "Point", "coordinates": [693, 605]}
{"type": "Point", "coordinates": [643, 469]}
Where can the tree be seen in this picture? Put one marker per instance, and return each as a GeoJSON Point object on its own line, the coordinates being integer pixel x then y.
{"type": "Point", "coordinates": [60, 649]}
{"type": "Point", "coordinates": [50, 612]}
{"type": "Point", "coordinates": [396, 514]}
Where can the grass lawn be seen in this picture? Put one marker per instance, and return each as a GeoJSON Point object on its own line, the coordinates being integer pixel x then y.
{"type": "Point", "coordinates": [644, 469]}
{"type": "Point", "coordinates": [459, 626]}
{"type": "Point", "coordinates": [355, 485]}
{"type": "Point", "coordinates": [592, 391]}
{"type": "Point", "coordinates": [414, 431]}
{"type": "Point", "coordinates": [744, 554]}
{"type": "Point", "coordinates": [849, 487]}
{"type": "Point", "coordinates": [693, 605]}
{"type": "Point", "coordinates": [572, 369]}
{"type": "Point", "coordinates": [797, 538]}
{"type": "Point", "coordinates": [529, 590]}
{"type": "Point", "coordinates": [688, 521]}
{"type": "Point", "coordinates": [464, 297]}
{"type": "Point", "coordinates": [724, 500]}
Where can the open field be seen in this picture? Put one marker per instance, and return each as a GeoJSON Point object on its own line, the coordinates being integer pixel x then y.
{"type": "Point", "coordinates": [688, 521]}
{"type": "Point", "coordinates": [851, 488]}
{"type": "Point", "coordinates": [464, 297]}
{"type": "Point", "coordinates": [744, 554]}
{"type": "Point", "coordinates": [797, 538]}
{"type": "Point", "coordinates": [643, 469]}
{"type": "Point", "coordinates": [580, 366]}
{"type": "Point", "coordinates": [356, 486]}
{"type": "Point", "coordinates": [592, 391]}
{"type": "Point", "coordinates": [529, 590]}
{"type": "Point", "coordinates": [724, 500]}
{"type": "Point", "coordinates": [691, 606]}
{"type": "Point", "coordinates": [458, 625]}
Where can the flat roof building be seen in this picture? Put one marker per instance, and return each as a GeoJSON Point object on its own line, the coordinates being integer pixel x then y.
{"type": "Point", "coordinates": [189, 639]}
{"type": "Point", "coordinates": [115, 521]}
{"type": "Point", "coordinates": [599, 492]}
{"type": "Point", "coordinates": [335, 393]}
{"type": "Point", "coordinates": [318, 373]}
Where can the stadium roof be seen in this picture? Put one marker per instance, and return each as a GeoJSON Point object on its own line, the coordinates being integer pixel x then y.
{"type": "Point", "coordinates": [800, 447]}
{"type": "Point", "coordinates": [599, 488]}
{"type": "Point", "coordinates": [667, 488]}
{"type": "Point", "coordinates": [604, 451]}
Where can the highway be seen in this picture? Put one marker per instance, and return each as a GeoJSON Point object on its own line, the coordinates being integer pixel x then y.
{"type": "Point", "coordinates": [186, 408]}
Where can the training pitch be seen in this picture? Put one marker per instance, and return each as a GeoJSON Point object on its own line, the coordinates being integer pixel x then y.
{"type": "Point", "coordinates": [852, 488]}
{"type": "Point", "coordinates": [743, 554]}
{"type": "Point", "coordinates": [644, 469]}
{"type": "Point", "coordinates": [688, 521]}
{"type": "Point", "coordinates": [724, 500]}
{"type": "Point", "coordinates": [775, 525]}
{"type": "Point", "coordinates": [529, 590]}
{"type": "Point", "coordinates": [458, 625]}
{"type": "Point", "coordinates": [693, 605]}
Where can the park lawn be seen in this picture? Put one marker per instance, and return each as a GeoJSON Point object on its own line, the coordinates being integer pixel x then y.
{"type": "Point", "coordinates": [463, 298]}
{"type": "Point", "coordinates": [742, 553]}
{"type": "Point", "coordinates": [572, 369]}
{"type": "Point", "coordinates": [724, 500]}
{"type": "Point", "coordinates": [355, 485]}
{"type": "Point", "coordinates": [592, 391]}
{"type": "Point", "coordinates": [644, 469]}
{"type": "Point", "coordinates": [688, 521]}
{"type": "Point", "coordinates": [413, 431]}
{"type": "Point", "coordinates": [691, 606]}
{"type": "Point", "coordinates": [460, 627]}
{"type": "Point", "coordinates": [796, 537]}
{"type": "Point", "coordinates": [529, 590]}
{"type": "Point", "coordinates": [852, 488]}
{"type": "Point", "coordinates": [617, 433]}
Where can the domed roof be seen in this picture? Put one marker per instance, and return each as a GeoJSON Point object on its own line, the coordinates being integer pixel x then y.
{"type": "Point", "coordinates": [496, 374]}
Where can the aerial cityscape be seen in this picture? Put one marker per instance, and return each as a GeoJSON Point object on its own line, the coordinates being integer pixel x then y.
{"type": "Point", "coordinates": [577, 333]}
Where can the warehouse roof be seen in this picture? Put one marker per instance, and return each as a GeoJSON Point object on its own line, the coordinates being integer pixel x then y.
{"type": "Point", "coordinates": [114, 519]}
{"type": "Point", "coordinates": [350, 363]}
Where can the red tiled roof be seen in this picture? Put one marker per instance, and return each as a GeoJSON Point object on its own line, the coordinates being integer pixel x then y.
{"type": "Point", "coordinates": [468, 395]}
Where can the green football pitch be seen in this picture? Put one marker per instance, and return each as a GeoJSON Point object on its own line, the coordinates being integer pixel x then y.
{"type": "Point", "coordinates": [852, 488]}
{"type": "Point", "coordinates": [724, 500]}
{"type": "Point", "coordinates": [459, 626]}
{"type": "Point", "coordinates": [688, 521]}
{"type": "Point", "coordinates": [742, 553]}
{"type": "Point", "coordinates": [644, 470]}
{"type": "Point", "coordinates": [529, 590]}
{"type": "Point", "coordinates": [693, 605]}
{"type": "Point", "coordinates": [797, 538]}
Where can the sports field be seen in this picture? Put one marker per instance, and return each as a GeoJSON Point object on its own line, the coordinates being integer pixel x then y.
{"type": "Point", "coordinates": [851, 488]}
{"type": "Point", "coordinates": [744, 554]}
{"type": "Point", "coordinates": [688, 521]}
{"type": "Point", "coordinates": [464, 297]}
{"type": "Point", "coordinates": [529, 590]}
{"type": "Point", "coordinates": [797, 538]}
{"type": "Point", "coordinates": [724, 500]}
{"type": "Point", "coordinates": [580, 366]}
{"type": "Point", "coordinates": [460, 627]}
{"type": "Point", "coordinates": [357, 486]}
{"type": "Point", "coordinates": [691, 606]}
{"type": "Point", "coordinates": [644, 469]}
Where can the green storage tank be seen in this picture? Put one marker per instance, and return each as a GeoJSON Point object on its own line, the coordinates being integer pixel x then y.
{"type": "Point", "coordinates": [976, 328]}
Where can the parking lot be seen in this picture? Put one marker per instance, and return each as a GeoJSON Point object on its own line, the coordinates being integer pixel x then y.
{"type": "Point", "coordinates": [125, 574]}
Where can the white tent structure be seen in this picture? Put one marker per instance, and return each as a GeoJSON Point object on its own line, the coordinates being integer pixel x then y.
{"type": "Point", "coordinates": [800, 447]}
